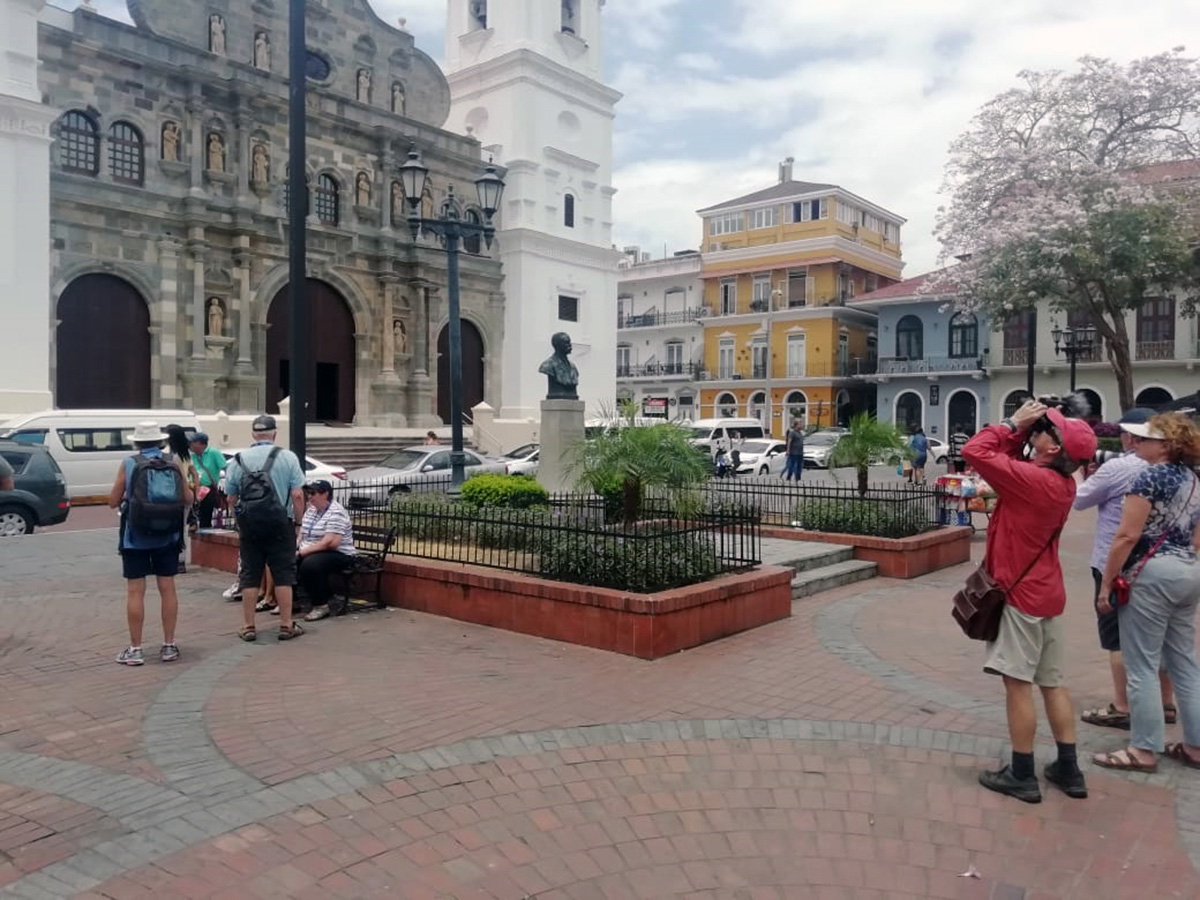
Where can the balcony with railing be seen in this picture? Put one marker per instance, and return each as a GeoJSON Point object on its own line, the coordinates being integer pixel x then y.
{"type": "Point", "coordinates": [1155, 350]}
{"type": "Point", "coordinates": [655, 319]}
{"type": "Point", "coordinates": [1016, 356]}
{"type": "Point", "coordinates": [930, 365]}
{"type": "Point", "coordinates": [660, 370]}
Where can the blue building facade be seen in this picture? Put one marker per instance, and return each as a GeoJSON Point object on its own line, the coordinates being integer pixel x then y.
{"type": "Point", "coordinates": [933, 360]}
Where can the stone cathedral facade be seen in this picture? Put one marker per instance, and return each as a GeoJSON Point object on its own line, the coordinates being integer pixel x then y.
{"type": "Point", "coordinates": [169, 224]}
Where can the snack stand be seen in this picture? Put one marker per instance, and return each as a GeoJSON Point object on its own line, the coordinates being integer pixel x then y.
{"type": "Point", "coordinates": [962, 496]}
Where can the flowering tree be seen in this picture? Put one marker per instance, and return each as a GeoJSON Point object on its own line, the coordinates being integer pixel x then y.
{"type": "Point", "coordinates": [1052, 197]}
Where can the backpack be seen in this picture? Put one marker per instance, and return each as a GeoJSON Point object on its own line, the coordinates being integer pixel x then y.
{"type": "Point", "coordinates": [156, 492]}
{"type": "Point", "coordinates": [259, 512]}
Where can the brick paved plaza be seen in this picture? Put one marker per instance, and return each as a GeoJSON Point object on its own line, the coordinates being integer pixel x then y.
{"type": "Point", "coordinates": [832, 755]}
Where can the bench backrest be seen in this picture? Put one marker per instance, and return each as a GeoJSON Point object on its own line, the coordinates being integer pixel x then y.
{"type": "Point", "coordinates": [374, 541]}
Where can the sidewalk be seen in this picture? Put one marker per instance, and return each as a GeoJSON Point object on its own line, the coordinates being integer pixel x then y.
{"type": "Point", "coordinates": [832, 755]}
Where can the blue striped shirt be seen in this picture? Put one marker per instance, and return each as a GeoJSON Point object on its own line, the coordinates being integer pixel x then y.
{"type": "Point", "coordinates": [334, 520]}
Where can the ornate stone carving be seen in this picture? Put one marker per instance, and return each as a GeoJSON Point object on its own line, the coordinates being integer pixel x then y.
{"type": "Point", "coordinates": [262, 51]}
{"type": "Point", "coordinates": [364, 85]}
{"type": "Point", "coordinates": [400, 336]}
{"type": "Point", "coordinates": [216, 34]}
{"type": "Point", "coordinates": [362, 189]}
{"type": "Point", "coordinates": [216, 153]}
{"type": "Point", "coordinates": [216, 318]}
{"type": "Point", "coordinates": [398, 210]}
{"type": "Point", "coordinates": [171, 137]}
{"type": "Point", "coordinates": [399, 100]}
{"type": "Point", "coordinates": [260, 170]}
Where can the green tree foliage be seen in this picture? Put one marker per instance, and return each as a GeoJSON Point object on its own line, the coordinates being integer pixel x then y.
{"type": "Point", "coordinates": [868, 441]}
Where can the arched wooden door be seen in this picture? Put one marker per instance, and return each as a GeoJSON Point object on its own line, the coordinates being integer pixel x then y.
{"type": "Point", "coordinates": [103, 345]}
{"type": "Point", "coordinates": [472, 370]}
{"type": "Point", "coordinates": [331, 376]}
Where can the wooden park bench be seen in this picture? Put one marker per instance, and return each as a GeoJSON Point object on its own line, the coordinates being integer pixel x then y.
{"type": "Point", "coordinates": [364, 578]}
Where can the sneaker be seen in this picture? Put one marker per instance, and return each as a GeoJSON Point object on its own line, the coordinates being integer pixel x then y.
{"type": "Point", "coordinates": [169, 652]}
{"type": "Point", "coordinates": [1072, 784]}
{"type": "Point", "coordinates": [233, 592]}
{"type": "Point", "coordinates": [1004, 782]}
{"type": "Point", "coordinates": [131, 656]}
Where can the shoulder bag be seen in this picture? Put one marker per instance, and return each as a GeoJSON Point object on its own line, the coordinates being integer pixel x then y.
{"type": "Point", "coordinates": [1122, 586]}
{"type": "Point", "coordinates": [980, 604]}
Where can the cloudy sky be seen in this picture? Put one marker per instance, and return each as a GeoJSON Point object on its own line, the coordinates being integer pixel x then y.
{"type": "Point", "coordinates": [863, 93]}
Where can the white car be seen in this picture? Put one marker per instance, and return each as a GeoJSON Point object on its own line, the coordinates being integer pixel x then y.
{"type": "Point", "coordinates": [938, 451]}
{"type": "Point", "coordinates": [762, 457]}
{"type": "Point", "coordinates": [314, 469]}
{"type": "Point", "coordinates": [411, 469]}
{"type": "Point", "coordinates": [523, 460]}
{"type": "Point", "coordinates": [818, 446]}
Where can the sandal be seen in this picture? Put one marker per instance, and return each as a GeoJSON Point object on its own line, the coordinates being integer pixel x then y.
{"type": "Point", "coordinates": [1124, 761]}
{"type": "Point", "coordinates": [264, 605]}
{"type": "Point", "coordinates": [1170, 713]}
{"type": "Point", "coordinates": [1179, 752]}
{"type": "Point", "coordinates": [287, 634]}
{"type": "Point", "coordinates": [248, 633]}
{"type": "Point", "coordinates": [1107, 718]}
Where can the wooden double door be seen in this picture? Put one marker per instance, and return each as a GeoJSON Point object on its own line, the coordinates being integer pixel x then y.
{"type": "Point", "coordinates": [332, 371]}
{"type": "Point", "coordinates": [102, 345]}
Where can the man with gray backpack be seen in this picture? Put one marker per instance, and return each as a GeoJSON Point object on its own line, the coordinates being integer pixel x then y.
{"type": "Point", "coordinates": [153, 498]}
{"type": "Point", "coordinates": [266, 486]}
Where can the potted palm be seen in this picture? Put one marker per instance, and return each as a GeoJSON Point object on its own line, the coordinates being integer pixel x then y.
{"type": "Point", "coordinates": [868, 442]}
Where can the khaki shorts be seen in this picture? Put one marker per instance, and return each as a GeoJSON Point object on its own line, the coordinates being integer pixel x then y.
{"type": "Point", "coordinates": [1027, 649]}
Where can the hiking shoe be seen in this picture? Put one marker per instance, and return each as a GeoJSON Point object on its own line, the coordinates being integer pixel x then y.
{"type": "Point", "coordinates": [169, 652]}
{"type": "Point", "coordinates": [1004, 782]}
{"type": "Point", "coordinates": [131, 656]}
{"type": "Point", "coordinates": [1072, 784]}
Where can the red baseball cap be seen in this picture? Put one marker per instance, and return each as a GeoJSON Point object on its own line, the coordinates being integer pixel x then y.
{"type": "Point", "coordinates": [1078, 440]}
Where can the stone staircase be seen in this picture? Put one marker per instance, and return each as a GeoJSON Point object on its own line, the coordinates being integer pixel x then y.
{"type": "Point", "coordinates": [354, 451]}
{"type": "Point", "coordinates": [818, 567]}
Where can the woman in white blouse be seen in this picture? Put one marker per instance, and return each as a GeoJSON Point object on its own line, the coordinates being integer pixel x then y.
{"type": "Point", "coordinates": [326, 547]}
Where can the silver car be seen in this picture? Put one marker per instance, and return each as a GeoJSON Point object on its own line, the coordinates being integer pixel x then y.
{"type": "Point", "coordinates": [412, 469]}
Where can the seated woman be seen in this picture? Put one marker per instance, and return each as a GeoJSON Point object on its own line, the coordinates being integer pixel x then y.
{"type": "Point", "coordinates": [326, 547]}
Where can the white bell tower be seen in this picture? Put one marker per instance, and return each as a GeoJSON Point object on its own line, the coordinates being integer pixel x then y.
{"type": "Point", "coordinates": [525, 79]}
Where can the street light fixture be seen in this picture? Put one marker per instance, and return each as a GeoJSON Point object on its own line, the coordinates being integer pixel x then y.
{"type": "Point", "coordinates": [1074, 343]}
{"type": "Point", "coordinates": [451, 225]}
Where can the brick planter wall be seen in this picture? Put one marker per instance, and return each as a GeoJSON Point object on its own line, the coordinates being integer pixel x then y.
{"type": "Point", "coordinates": [908, 557]}
{"type": "Point", "coordinates": [649, 626]}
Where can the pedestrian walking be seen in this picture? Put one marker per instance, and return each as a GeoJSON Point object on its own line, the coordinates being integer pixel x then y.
{"type": "Point", "coordinates": [181, 455]}
{"type": "Point", "coordinates": [1106, 490]}
{"type": "Point", "coordinates": [919, 444]}
{"type": "Point", "coordinates": [1152, 578]}
{"type": "Point", "coordinates": [954, 456]}
{"type": "Point", "coordinates": [153, 497]}
{"type": "Point", "coordinates": [265, 485]}
{"type": "Point", "coordinates": [209, 464]}
{"type": "Point", "coordinates": [795, 452]}
{"type": "Point", "coordinates": [1034, 500]}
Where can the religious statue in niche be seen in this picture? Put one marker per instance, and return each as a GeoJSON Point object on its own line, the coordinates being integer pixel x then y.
{"type": "Point", "coordinates": [399, 101]}
{"type": "Point", "coordinates": [362, 189]}
{"type": "Point", "coordinates": [400, 336]}
{"type": "Point", "coordinates": [260, 169]}
{"type": "Point", "coordinates": [427, 204]}
{"type": "Point", "coordinates": [262, 51]}
{"type": "Point", "coordinates": [216, 34]}
{"type": "Point", "coordinates": [364, 85]}
{"type": "Point", "coordinates": [216, 318]}
{"type": "Point", "coordinates": [216, 153]}
{"type": "Point", "coordinates": [171, 136]}
{"type": "Point", "coordinates": [561, 375]}
{"type": "Point", "coordinates": [398, 210]}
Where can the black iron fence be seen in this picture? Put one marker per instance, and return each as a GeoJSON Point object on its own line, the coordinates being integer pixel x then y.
{"type": "Point", "coordinates": [577, 538]}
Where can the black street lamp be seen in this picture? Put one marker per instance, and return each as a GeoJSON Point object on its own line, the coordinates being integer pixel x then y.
{"type": "Point", "coordinates": [1074, 343]}
{"type": "Point", "coordinates": [452, 226]}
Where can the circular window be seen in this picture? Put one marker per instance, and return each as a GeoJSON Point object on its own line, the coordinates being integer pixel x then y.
{"type": "Point", "coordinates": [316, 66]}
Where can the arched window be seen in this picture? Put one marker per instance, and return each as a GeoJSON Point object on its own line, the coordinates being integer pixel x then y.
{"type": "Point", "coordinates": [909, 409]}
{"type": "Point", "coordinates": [569, 210]}
{"type": "Point", "coordinates": [287, 189]}
{"type": "Point", "coordinates": [1095, 405]}
{"type": "Point", "coordinates": [797, 408]}
{"type": "Point", "coordinates": [757, 407]}
{"type": "Point", "coordinates": [964, 336]}
{"type": "Point", "coordinates": [726, 406]}
{"type": "Point", "coordinates": [79, 143]}
{"type": "Point", "coordinates": [126, 153]}
{"type": "Point", "coordinates": [327, 200]}
{"type": "Point", "coordinates": [910, 338]}
{"type": "Point", "coordinates": [473, 242]}
{"type": "Point", "coordinates": [1013, 402]}
{"type": "Point", "coordinates": [1153, 397]}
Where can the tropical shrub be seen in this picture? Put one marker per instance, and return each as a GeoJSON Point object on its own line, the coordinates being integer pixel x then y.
{"type": "Point", "coordinates": [644, 563]}
{"type": "Point", "coordinates": [868, 441]}
{"type": "Point", "coordinates": [897, 519]}
{"type": "Point", "coordinates": [509, 491]}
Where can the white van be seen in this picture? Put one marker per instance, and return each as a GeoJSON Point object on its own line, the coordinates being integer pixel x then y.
{"type": "Point", "coordinates": [88, 444]}
{"type": "Point", "coordinates": [712, 434]}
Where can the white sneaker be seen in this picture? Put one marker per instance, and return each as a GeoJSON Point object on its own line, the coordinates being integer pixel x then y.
{"type": "Point", "coordinates": [233, 592]}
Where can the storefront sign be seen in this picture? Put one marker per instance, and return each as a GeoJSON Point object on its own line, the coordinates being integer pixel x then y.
{"type": "Point", "coordinates": [654, 407]}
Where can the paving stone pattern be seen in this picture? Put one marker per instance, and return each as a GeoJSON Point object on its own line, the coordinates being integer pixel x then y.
{"type": "Point", "coordinates": [399, 755]}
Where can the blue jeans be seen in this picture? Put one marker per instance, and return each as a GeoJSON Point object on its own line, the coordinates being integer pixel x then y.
{"type": "Point", "coordinates": [1158, 628]}
{"type": "Point", "coordinates": [795, 467]}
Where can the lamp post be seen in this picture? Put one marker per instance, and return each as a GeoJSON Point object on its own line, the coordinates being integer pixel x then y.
{"type": "Point", "coordinates": [1074, 343]}
{"type": "Point", "coordinates": [452, 226]}
{"type": "Point", "coordinates": [297, 234]}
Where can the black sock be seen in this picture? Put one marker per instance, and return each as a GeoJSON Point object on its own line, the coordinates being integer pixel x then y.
{"type": "Point", "coordinates": [1067, 759]}
{"type": "Point", "coordinates": [1022, 765]}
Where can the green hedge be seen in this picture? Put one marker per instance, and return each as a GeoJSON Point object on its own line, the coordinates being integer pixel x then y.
{"type": "Point", "coordinates": [889, 520]}
{"type": "Point", "coordinates": [508, 491]}
{"type": "Point", "coordinates": [1112, 445]}
{"type": "Point", "coordinates": [640, 565]}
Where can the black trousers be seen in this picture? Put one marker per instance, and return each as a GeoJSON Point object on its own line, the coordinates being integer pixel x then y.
{"type": "Point", "coordinates": [314, 573]}
{"type": "Point", "coordinates": [205, 508]}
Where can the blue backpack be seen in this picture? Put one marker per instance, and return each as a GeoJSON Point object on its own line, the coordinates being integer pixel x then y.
{"type": "Point", "coordinates": [156, 492]}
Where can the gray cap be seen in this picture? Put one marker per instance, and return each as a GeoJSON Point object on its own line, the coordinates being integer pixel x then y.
{"type": "Point", "coordinates": [1139, 415]}
{"type": "Point", "coordinates": [264, 423]}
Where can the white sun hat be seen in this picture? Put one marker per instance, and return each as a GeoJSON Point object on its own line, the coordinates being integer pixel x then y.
{"type": "Point", "coordinates": [1143, 430]}
{"type": "Point", "coordinates": [146, 433]}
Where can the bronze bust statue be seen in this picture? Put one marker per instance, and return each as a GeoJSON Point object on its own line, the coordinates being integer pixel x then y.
{"type": "Point", "coordinates": [561, 375]}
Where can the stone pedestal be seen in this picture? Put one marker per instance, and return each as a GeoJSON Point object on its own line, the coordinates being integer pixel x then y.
{"type": "Point", "coordinates": [562, 428]}
{"type": "Point", "coordinates": [420, 402]}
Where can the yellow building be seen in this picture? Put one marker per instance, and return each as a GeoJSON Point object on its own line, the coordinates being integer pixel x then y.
{"type": "Point", "coordinates": [778, 266]}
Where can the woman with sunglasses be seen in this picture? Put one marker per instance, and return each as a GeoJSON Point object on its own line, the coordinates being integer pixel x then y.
{"type": "Point", "coordinates": [326, 547]}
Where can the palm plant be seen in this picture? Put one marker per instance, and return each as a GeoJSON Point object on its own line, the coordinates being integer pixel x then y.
{"type": "Point", "coordinates": [624, 461]}
{"type": "Point", "coordinates": [868, 441]}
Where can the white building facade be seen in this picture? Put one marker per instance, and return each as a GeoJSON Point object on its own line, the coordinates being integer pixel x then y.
{"type": "Point", "coordinates": [660, 336]}
{"type": "Point", "coordinates": [525, 79]}
{"type": "Point", "coordinates": [25, 220]}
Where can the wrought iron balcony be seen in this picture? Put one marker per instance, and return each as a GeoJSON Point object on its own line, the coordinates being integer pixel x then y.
{"type": "Point", "coordinates": [653, 319]}
{"type": "Point", "coordinates": [930, 365]}
{"type": "Point", "coordinates": [1016, 356]}
{"type": "Point", "coordinates": [660, 370]}
{"type": "Point", "coordinates": [1152, 350]}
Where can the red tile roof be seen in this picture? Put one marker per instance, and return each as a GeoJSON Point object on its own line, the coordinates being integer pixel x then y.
{"type": "Point", "coordinates": [1178, 170]}
{"type": "Point", "coordinates": [910, 287]}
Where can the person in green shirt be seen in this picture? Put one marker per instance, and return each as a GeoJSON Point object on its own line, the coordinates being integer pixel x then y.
{"type": "Point", "coordinates": [210, 465]}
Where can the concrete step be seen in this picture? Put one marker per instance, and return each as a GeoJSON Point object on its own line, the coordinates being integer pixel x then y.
{"type": "Point", "coordinates": [801, 556]}
{"type": "Point", "coordinates": [825, 578]}
{"type": "Point", "coordinates": [357, 452]}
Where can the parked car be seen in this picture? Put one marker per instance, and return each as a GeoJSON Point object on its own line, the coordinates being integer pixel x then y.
{"type": "Point", "coordinates": [523, 460]}
{"type": "Point", "coordinates": [762, 457]}
{"type": "Point", "coordinates": [411, 469]}
{"type": "Point", "coordinates": [314, 469]}
{"type": "Point", "coordinates": [39, 498]}
{"type": "Point", "coordinates": [938, 451]}
{"type": "Point", "coordinates": [818, 446]}
{"type": "Point", "coordinates": [713, 434]}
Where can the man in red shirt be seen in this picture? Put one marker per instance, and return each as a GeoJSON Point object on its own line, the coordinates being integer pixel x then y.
{"type": "Point", "coordinates": [1035, 498]}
